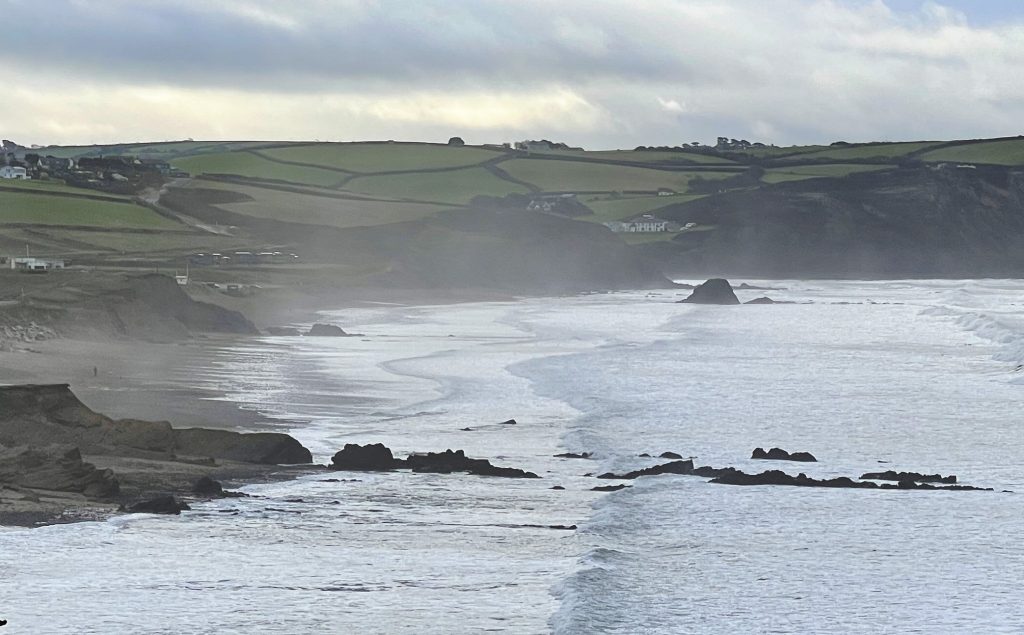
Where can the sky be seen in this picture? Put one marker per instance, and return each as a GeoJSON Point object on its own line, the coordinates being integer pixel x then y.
{"type": "Point", "coordinates": [594, 73]}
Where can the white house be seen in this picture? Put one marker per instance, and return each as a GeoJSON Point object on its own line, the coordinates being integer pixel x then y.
{"type": "Point", "coordinates": [36, 264]}
{"type": "Point", "coordinates": [11, 172]}
{"type": "Point", "coordinates": [643, 225]}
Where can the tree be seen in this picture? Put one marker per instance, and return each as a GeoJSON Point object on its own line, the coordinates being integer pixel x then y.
{"type": "Point", "coordinates": [456, 141]}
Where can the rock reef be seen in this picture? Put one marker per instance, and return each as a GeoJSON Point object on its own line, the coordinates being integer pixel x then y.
{"type": "Point", "coordinates": [714, 291]}
{"type": "Point", "coordinates": [778, 454]}
{"type": "Point", "coordinates": [377, 457]}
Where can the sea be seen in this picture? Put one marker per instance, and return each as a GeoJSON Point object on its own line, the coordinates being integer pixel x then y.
{"type": "Point", "coordinates": [917, 375]}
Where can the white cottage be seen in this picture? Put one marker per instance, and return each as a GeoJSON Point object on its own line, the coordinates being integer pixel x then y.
{"type": "Point", "coordinates": [12, 172]}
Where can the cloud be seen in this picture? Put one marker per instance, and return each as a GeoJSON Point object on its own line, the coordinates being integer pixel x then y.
{"type": "Point", "coordinates": [592, 72]}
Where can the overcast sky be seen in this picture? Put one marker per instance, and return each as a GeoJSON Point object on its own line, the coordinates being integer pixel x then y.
{"type": "Point", "coordinates": [597, 73]}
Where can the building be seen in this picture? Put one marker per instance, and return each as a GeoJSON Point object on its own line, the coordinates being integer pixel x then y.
{"type": "Point", "coordinates": [13, 172]}
{"type": "Point", "coordinates": [645, 224]}
{"type": "Point", "coordinates": [664, 191]}
{"type": "Point", "coordinates": [36, 264]}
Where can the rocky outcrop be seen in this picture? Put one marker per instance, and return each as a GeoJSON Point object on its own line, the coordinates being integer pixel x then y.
{"type": "Point", "coordinates": [374, 457]}
{"type": "Point", "coordinates": [778, 454]}
{"type": "Point", "coordinates": [776, 477]}
{"type": "Point", "coordinates": [608, 488]}
{"type": "Point", "coordinates": [890, 475]}
{"type": "Point", "coordinates": [46, 414]}
{"type": "Point", "coordinates": [379, 458]}
{"type": "Point", "coordinates": [326, 330]}
{"type": "Point", "coordinates": [761, 300]}
{"type": "Point", "coordinates": [456, 461]}
{"type": "Point", "coordinates": [209, 488]}
{"type": "Point", "coordinates": [270, 448]}
{"type": "Point", "coordinates": [714, 291]}
{"type": "Point", "coordinates": [675, 467]}
{"type": "Point", "coordinates": [573, 455]}
{"type": "Point", "coordinates": [58, 468]}
{"type": "Point", "coordinates": [160, 505]}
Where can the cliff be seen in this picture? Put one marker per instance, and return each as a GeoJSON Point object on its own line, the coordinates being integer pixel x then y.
{"type": "Point", "coordinates": [926, 221]}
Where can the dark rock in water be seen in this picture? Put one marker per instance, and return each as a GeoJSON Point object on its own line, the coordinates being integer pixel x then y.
{"type": "Point", "coordinates": [890, 475]}
{"type": "Point", "coordinates": [466, 429]}
{"type": "Point", "coordinates": [670, 455]}
{"type": "Point", "coordinates": [270, 448]}
{"type": "Point", "coordinates": [509, 422]}
{"type": "Point", "coordinates": [744, 285]}
{"type": "Point", "coordinates": [645, 456]}
{"type": "Point", "coordinates": [776, 477]}
{"type": "Point", "coordinates": [283, 331]}
{"type": "Point", "coordinates": [326, 330]}
{"type": "Point", "coordinates": [371, 457]}
{"type": "Point", "coordinates": [714, 291]}
{"type": "Point", "coordinates": [778, 454]}
{"type": "Point", "coordinates": [210, 488]}
{"type": "Point", "coordinates": [608, 488]}
{"type": "Point", "coordinates": [159, 505]}
{"type": "Point", "coordinates": [206, 486]}
{"type": "Point", "coordinates": [557, 487]}
{"type": "Point", "coordinates": [564, 527]}
{"type": "Point", "coordinates": [573, 455]}
{"type": "Point", "coordinates": [675, 467]}
{"type": "Point", "coordinates": [456, 461]}
{"type": "Point", "coordinates": [761, 300]}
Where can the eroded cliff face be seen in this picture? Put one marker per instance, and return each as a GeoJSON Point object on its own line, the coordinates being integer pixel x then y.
{"type": "Point", "coordinates": [42, 415]}
{"type": "Point", "coordinates": [924, 221]}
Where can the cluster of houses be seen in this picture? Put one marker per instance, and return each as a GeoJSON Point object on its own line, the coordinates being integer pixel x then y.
{"type": "Point", "coordinates": [645, 224]}
{"type": "Point", "coordinates": [243, 258]}
{"type": "Point", "coordinates": [118, 174]}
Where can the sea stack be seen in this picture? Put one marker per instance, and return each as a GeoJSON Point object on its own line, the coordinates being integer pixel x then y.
{"type": "Point", "coordinates": [714, 291]}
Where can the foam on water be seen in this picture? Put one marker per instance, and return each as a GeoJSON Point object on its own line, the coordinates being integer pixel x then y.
{"type": "Point", "coordinates": [920, 374]}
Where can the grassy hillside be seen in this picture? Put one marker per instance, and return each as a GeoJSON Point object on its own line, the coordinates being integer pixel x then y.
{"type": "Point", "coordinates": [884, 151]}
{"type": "Point", "coordinates": [1004, 152]}
{"type": "Point", "coordinates": [456, 187]}
{"type": "Point", "coordinates": [40, 209]}
{"type": "Point", "coordinates": [382, 157]}
{"type": "Point", "coordinates": [557, 176]}
{"type": "Point", "coordinates": [251, 165]}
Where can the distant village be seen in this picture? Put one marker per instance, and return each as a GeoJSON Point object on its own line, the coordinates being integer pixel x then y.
{"type": "Point", "coordinates": [115, 174]}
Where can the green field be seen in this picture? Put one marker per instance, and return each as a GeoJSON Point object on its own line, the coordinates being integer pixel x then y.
{"type": "Point", "coordinates": [382, 157]}
{"type": "Point", "coordinates": [568, 176]}
{"type": "Point", "coordinates": [60, 210]}
{"type": "Point", "coordinates": [151, 150]}
{"type": "Point", "coordinates": [644, 156]}
{"type": "Point", "coordinates": [802, 172]}
{"type": "Point", "coordinates": [1008, 152]}
{"type": "Point", "coordinates": [321, 210]}
{"type": "Point", "coordinates": [456, 186]}
{"type": "Point", "coordinates": [257, 167]}
{"type": "Point", "coordinates": [609, 209]}
{"type": "Point", "coordinates": [872, 151]}
{"type": "Point", "coordinates": [128, 242]}
{"type": "Point", "coordinates": [53, 186]}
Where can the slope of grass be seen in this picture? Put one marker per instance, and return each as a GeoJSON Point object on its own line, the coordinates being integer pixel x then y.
{"type": "Point", "coordinates": [146, 243]}
{"type": "Point", "coordinates": [320, 210]}
{"type": "Point", "coordinates": [16, 207]}
{"type": "Point", "coordinates": [562, 176]}
{"type": "Point", "coordinates": [801, 172]}
{"type": "Point", "coordinates": [457, 186]}
{"type": "Point", "coordinates": [610, 209]}
{"type": "Point", "coordinates": [251, 165]}
{"type": "Point", "coordinates": [150, 150]}
{"type": "Point", "coordinates": [42, 187]}
{"type": "Point", "coordinates": [1007, 152]}
{"type": "Point", "coordinates": [382, 157]}
{"type": "Point", "coordinates": [646, 156]}
{"type": "Point", "coordinates": [879, 151]}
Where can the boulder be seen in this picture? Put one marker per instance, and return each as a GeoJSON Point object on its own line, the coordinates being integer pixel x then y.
{"type": "Point", "coordinates": [371, 457]}
{"type": "Point", "coordinates": [456, 461]}
{"type": "Point", "coordinates": [608, 488]}
{"type": "Point", "coordinates": [206, 486]}
{"type": "Point", "coordinates": [670, 455]}
{"type": "Point", "coordinates": [166, 504]}
{"type": "Point", "coordinates": [778, 454]}
{"type": "Point", "coordinates": [573, 455]}
{"type": "Point", "coordinates": [761, 300]}
{"type": "Point", "coordinates": [891, 475]}
{"type": "Point", "coordinates": [714, 291]}
{"type": "Point", "coordinates": [326, 330]}
{"type": "Point", "coordinates": [507, 422]}
{"type": "Point", "coordinates": [675, 467]}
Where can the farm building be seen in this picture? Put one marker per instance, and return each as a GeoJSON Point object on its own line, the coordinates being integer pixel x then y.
{"type": "Point", "coordinates": [13, 172]}
{"type": "Point", "coordinates": [643, 224]}
{"type": "Point", "coordinates": [35, 264]}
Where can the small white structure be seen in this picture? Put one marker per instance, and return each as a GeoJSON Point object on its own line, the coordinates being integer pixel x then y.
{"type": "Point", "coordinates": [12, 172]}
{"type": "Point", "coordinates": [646, 224]}
{"type": "Point", "coordinates": [664, 191]}
{"type": "Point", "coordinates": [36, 264]}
